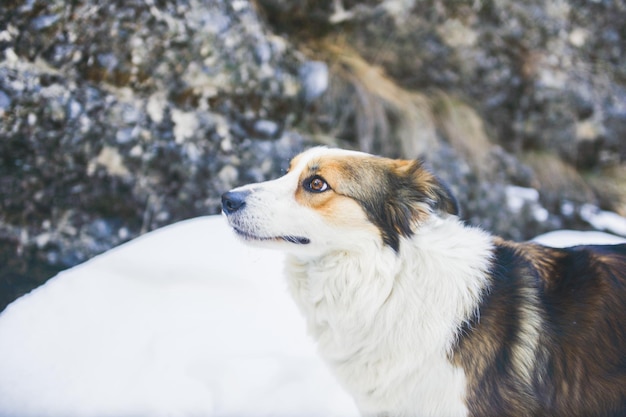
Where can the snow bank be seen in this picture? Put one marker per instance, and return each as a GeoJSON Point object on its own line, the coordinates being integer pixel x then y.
{"type": "Point", "coordinates": [184, 321]}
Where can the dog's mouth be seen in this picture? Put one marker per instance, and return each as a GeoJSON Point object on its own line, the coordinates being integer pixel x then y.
{"type": "Point", "coordinates": [298, 240]}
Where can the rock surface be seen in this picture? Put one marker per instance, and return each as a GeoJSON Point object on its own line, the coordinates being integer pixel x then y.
{"type": "Point", "coordinates": [120, 117]}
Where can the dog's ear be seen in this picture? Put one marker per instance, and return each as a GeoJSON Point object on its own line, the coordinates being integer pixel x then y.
{"type": "Point", "coordinates": [422, 186]}
{"type": "Point", "coordinates": [412, 193]}
{"type": "Point", "coordinates": [446, 201]}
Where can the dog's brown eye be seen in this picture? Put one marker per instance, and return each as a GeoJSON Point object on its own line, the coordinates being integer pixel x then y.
{"type": "Point", "coordinates": [316, 184]}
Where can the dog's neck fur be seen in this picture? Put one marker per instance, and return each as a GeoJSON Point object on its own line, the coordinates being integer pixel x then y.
{"type": "Point", "coordinates": [387, 323]}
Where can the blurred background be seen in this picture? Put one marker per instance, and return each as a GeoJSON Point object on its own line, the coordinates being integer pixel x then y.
{"type": "Point", "coordinates": [119, 117]}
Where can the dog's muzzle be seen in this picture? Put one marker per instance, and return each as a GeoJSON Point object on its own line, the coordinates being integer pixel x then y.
{"type": "Point", "coordinates": [234, 201]}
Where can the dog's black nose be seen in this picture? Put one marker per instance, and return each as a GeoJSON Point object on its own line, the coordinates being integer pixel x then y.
{"type": "Point", "coordinates": [233, 201]}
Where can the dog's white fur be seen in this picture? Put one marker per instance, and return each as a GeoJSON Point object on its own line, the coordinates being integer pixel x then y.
{"type": "Point", "coordinates": [385, 322]}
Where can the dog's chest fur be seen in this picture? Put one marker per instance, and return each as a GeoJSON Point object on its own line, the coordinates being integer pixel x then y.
{"type": "Point", "coordinates": [386, 322]}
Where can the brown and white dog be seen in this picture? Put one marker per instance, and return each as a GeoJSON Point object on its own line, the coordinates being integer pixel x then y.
{"type": "Point", "coordinates": [419, 314]}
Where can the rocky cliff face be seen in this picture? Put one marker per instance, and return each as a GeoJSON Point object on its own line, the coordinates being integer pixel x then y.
{"type": "Point", "coordinates": [120, 117]}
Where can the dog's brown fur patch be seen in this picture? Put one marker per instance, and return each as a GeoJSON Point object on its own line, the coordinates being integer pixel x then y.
{"type": "Point", "coordinates": [575, 299]}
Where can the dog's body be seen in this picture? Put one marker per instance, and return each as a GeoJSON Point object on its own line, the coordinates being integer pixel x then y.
{"type": "Point", "coordinates": [421, 315]}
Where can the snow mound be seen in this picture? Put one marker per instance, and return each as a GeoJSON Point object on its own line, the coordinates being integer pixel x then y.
{"type": "Point", "coordinates": [184, 321]}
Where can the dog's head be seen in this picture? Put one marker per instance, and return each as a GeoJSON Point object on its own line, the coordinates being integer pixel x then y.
{"type": "Point", "coordinates": [336, 199]}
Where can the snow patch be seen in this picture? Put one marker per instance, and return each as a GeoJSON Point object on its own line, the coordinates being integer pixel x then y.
{"type": "Point", "coordinates": [603, 220]}
{"type": "Point", "coordinates": [520, 197]}
{"type": "Point", "coordinates": [565, 238]}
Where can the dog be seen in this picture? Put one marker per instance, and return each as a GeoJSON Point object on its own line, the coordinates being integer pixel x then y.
{"type": "Point", "coordinates": [419, 314]}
